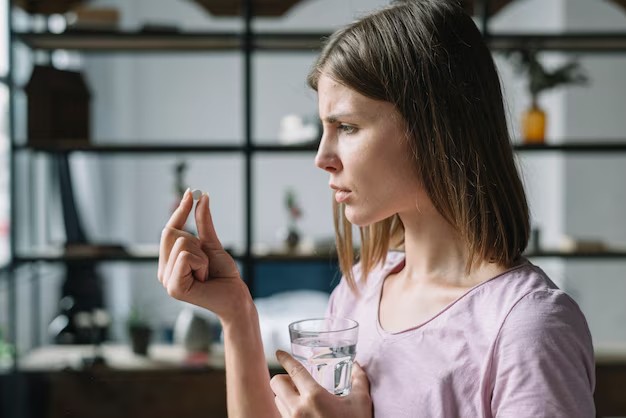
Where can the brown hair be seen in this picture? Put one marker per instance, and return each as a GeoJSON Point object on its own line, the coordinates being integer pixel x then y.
{"type": "Point", "coordinates": [428, 58]}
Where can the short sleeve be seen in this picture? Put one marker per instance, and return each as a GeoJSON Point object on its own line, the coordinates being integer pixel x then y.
{"type": "Point", "coordinates": [543, 362]}
{"type": "Point", "coordinates": [330, 309]}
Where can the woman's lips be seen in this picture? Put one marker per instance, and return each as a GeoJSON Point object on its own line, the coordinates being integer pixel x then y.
{"type": "Point", "coordinates": [341, 195]}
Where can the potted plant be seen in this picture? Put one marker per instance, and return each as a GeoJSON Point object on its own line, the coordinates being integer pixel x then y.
{"type": "Point", "coordinates": [139, 331]}
{"type": "Point", "coordinates": [541, 79]}
{"type": "Point", "coordinates": [6, 353]}
{"type": "Point", "coordinates": [294, 212]}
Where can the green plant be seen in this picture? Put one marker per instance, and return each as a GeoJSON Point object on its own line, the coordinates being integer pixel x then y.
{"type": "Point", "coordinates": [6, 349]}
{"type": "Point", "coordinates": [293, 209]}
{"type": "Point", "coordinates": [294, 212]}
{"type": "Point", "coordinates": [540, 78]}
{"type": "Point", "coordinates": [136, 319]}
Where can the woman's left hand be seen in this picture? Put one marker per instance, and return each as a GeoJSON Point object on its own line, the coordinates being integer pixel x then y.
{"type": "Point", "coordinates": [298, 395]}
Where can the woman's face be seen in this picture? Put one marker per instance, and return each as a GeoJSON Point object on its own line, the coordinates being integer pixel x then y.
{"type": "Point", "coordinates": [364, 148]}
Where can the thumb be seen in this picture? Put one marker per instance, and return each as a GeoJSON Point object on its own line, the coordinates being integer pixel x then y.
{"type": "Point", "coordinates": [204, 223]}
{"type": "Point", "coordinates": [300, 377]}
{"type": "Point", "coordinates": [360, 382]}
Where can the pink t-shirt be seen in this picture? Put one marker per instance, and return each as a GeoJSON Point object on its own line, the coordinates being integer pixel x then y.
{"type": "Point", "coordinates": [513, 346]}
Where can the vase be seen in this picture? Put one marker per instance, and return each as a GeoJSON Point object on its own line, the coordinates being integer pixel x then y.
{"type": "Point", "coordinates": [292, 240]}
{"type": "Point", "coordinates": [267, 8]}
{"type": "Point", "coordinates": [534, 124]}
{"type": "Point", "coordinates": [140, 336]}
{"type": "Point", "coordinates": [193, 332]}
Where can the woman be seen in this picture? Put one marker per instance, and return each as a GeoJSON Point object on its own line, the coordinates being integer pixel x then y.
{"type": "Point", "coordinates": [454, 323]}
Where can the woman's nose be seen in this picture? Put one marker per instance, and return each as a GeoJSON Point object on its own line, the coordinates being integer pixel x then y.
{"type": "Point", "coordinates": [327, 158]}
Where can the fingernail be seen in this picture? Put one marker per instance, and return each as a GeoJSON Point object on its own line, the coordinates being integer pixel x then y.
{"type": "Point", "coordinates": [280, 353]}
{"type": "Point", "coordinates": [186, 194]}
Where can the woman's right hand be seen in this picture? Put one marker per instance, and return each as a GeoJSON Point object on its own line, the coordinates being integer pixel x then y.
{"type": "Point", "coordinates": [197, 270]}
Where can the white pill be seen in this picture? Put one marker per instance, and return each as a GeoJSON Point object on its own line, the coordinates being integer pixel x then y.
{"type": "Point", "coordinates": [196, 193]}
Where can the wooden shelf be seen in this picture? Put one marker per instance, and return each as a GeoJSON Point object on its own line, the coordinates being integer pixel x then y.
{"type": "Point", "coordinates": [597, 147]}
{"type": "Point", "coordinates": [125, 41]}
{"type": "Point", "coordinates": [145, 253]}
{"type": "Point", "coordinates": [112, 148]}
{"type": "Point", "coordinates": [295, 258]}
{"type": "Point", "coordinates": [271, 148]}
{"type": "Point", "coordinates": [588, 42]}
{"type": "Point", "coordinates": [119, 41]}
{"type": "Point", "coordinates": [150, 254]}
{"type": "Point", "coordinates": [599, 255]}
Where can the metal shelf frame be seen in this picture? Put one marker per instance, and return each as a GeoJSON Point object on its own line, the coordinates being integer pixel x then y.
{"type": "Point", "coordinates": [587, 147]}
{"type": "Point", "coordinates": [184, 42]}
{"type": "Point", "coordinates": [282, 257]}
{"type": "Point", "coordinates": [579, 147]}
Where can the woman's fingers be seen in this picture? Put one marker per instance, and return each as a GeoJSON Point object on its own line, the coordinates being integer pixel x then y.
{"type": "Point", "coordinates": [180, 215]}
{"type": "Point", "coordinates": [300, 376]}
{"type": "Point", "coordinates": [285, 390]}
{"type": "Point", "coordinates": [169, 236]}
{"type": "Point", "coordinates": [204, 223]}
{"type": "Point", "coordinates": [282, 408]}
{"type": "Point", "coordinates": [360, 382]}
{"type": "Point", "coordinates": [172, 231]}
{"type": "Point", "coordinates": [360, 392]}
{"type": "Point", "coordinates": [298, 395]}
{"type": "Point", "coordinates": [189, 245]}
{"type": "Point", "coordinates": [183, 276]}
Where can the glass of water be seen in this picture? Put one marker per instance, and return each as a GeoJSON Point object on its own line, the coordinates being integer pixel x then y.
{"type": "Point", "coordinates": [326, 348]}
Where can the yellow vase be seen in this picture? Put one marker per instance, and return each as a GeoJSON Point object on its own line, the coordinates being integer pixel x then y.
{"type": "Point", "coordinates": [534, 125]}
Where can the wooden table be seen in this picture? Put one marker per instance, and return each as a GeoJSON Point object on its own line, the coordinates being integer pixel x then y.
{"type": "Point", "coordinates": [55, 384]}
{"type": "Point", "coordinates": [610, 394]}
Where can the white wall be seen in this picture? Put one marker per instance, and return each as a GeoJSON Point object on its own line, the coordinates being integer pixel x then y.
{"type": "Point", "coordinates": [542, 173]}
{"type": "Point", "coordinates": [595, 197]}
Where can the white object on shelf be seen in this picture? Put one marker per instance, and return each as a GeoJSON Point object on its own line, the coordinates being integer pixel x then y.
{"type": "Point", "coordinates": [192, 331]}
{"type": "Point", "coordinates": [293, 130]}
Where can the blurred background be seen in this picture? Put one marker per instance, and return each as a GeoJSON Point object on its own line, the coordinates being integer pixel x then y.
{"type": "Point", "coordinates": [110, 109]}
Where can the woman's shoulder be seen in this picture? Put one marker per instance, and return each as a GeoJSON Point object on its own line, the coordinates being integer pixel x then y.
{"type": "Point", "coordinates": [534, 303]}
{"type": "Point", "coordinates": [543, 351]}
{"type": "Point", "coordinates": [516, 282]}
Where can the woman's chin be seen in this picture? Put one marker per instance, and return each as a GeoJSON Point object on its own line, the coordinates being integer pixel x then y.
{"type": "Point", "coordinates": [359, 219]}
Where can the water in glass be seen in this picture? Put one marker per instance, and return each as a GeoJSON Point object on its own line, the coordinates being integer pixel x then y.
{"type": "Point", "coordinates": [329, 361]}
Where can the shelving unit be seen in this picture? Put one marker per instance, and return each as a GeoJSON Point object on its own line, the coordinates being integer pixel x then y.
{"type": "Point", "coordinates": [111, 41]}
{"type": "Point", "coordinates": [247, 42]}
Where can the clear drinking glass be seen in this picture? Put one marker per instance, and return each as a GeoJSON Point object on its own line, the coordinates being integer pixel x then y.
{"type": "Point", "coordinates": [326, 348]}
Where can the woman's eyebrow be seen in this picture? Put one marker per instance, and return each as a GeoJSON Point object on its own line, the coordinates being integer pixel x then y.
{"type": "Point", "coordinates": [334, 118]}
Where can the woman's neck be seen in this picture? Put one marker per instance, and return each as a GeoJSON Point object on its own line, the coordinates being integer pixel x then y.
{"type": "Point", "coordinates": [436, 255]}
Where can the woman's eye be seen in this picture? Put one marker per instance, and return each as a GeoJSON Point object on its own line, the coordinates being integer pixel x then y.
{"type": "Point", "coordinates": [347, 129]}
